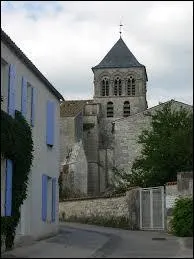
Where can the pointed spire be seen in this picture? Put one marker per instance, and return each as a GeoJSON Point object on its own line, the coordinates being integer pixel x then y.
{"type": "Point", "coordinates": [119, 57]}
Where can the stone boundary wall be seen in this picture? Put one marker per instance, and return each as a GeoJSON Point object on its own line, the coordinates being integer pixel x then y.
{"type": "Point", "coordinates": [171, 195]}
{"type": "Point", "coordinates": [94, 206]}
{"type": "Point", "coordinates": [185, 183]}
{"type": "Point", "coordinates": [92, 198]}
{"type": "Point", "coordinates": [182, 188]}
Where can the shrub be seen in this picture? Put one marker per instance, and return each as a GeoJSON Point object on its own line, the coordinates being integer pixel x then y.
{"type": "Point", "coordinates": [182, 220]}
{"type": "Point", "coordinates": [17, 145]}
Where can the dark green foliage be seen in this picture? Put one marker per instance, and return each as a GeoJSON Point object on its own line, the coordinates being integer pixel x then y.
{"type": "Point", "coordinates": [17, 145]}
{"type": "Point", "coordinates": [109, 221]}
{"type": "Point", "coordinates": [88, 126]}
{"type": "Point", "coordinates": [166, 148]}
{"type": "Point", "coordinates": [182, 217]}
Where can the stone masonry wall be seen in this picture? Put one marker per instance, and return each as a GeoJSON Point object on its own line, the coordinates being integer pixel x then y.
{"type": "Point", "coordinates": [103, 207]}
{"type": "Point", "coordinates": [171, 196]}
{"type": "Point", "coordinates": [91, 144]}
{"type": "Point", "coordinates": [185, 183]}
{"type": "Point", "coordinates": [67, 136]}
{"type": "Point", "coordinates": [126, 132]}
{"type": "Point", "coordinates": [76, 176]}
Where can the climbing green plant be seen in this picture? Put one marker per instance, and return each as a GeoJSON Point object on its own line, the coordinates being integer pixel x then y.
{"type": "Point", "coordinates": [17, 145]}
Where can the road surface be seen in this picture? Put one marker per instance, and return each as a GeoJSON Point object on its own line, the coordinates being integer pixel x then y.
{"type": "Point", "coordinates": [76, 240]}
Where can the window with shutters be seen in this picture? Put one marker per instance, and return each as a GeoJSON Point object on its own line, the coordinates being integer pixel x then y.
{"type": "Point", "coordinates": [48, 198]}
{"type": "Point", "coordinates": [6, 186]}
{"type": "Point", "coordinates": [117, 86]}
{"type": "Point", "coordinates": [4, 85]}
{"type": "Point", "coordinates": [54, 193]}
{"type": "Point", "coordinates": [3, 175]}
{"type": "Point", "coordinates": [131, 86]}
{"type": "Point", "coordinates": [50, 123]}
{"type": "Point", "coordinates": [105, 87]}
{"type": "Point", "coordinates": [126, 109]}
{"type": "Point", "coordinates": [11, 90]}
{"type": "Point", "coordinates": [110, 109]}
{"type": "Point", "coordinates": [29, 102]}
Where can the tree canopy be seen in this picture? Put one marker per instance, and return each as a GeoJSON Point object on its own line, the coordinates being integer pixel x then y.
{"type": "Point", "coordinates": [167, 147]}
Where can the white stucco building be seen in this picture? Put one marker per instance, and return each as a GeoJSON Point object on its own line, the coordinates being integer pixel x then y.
{"type": "Point", "coordinates": [25, 89]}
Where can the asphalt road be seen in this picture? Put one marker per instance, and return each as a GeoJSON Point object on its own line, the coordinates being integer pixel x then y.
{"type": "Point", "coordinates": [86, 241]}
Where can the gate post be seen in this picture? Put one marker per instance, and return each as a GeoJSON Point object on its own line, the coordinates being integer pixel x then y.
{"type": "Point", "coordinates": [151, 208]}
{"type": "Point", "coordinates": [140, 206]}
{"type": "Point", "coordinates": [164, 219]}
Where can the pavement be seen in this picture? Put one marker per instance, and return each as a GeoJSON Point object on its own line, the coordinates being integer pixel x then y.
{"type": "Point", "coordinates": [76, 240]}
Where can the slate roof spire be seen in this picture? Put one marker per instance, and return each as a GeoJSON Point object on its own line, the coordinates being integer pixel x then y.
{"type": "Point", "coordinates": [119, 57]}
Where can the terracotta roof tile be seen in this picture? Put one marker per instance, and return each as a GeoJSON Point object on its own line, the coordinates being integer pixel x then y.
{"type": "Point", "coordinates": [73, 107]}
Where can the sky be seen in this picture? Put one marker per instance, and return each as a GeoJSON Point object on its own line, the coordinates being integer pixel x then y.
{"type": "Point", "coordinates": [65, 39]}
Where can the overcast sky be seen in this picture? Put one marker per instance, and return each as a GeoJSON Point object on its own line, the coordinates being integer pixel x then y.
{"type": "Point", "coordinates": [66, 39]}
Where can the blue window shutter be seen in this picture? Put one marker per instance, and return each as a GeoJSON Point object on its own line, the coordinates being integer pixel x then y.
{"type": "Point", "coordinates": [24, 97]}
{"type": "Point", "coordinates": [50, 124]}
{"type": "Point", "coordinates": [33, 104]}
{"type": "Point", "coordinates": [8, 187]}
{"type": "Point", "coordinates": [53, 213]}
{"type": "Point", "coordinates": [11, 91]}
{"type": "Point", "coordinates": [44, 197]}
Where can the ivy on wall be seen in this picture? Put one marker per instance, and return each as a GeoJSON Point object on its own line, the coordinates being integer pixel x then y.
{"type": "Point", "coordinates": [17, 145]}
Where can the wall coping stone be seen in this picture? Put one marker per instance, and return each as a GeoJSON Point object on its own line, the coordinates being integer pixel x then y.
{"type": "Point", "coordinates": [94, 197]}
{"type": "Point", "coordinates": [171, 183]}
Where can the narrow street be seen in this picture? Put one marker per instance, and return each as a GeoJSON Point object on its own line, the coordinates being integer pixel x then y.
{"type": "Point", "coordinates": [85, 241]}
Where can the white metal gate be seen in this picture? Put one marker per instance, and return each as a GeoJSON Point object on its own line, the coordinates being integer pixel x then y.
{"type": "Point", "coordinates": [152, 208]}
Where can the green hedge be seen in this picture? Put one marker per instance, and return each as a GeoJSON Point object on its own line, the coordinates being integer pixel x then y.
{"type": "Point", "coordinates": [182, 217]}
{"type": "Point", "coordinates": [17, 145]}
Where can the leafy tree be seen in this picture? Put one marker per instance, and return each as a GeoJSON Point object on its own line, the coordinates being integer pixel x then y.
{"type": "Point", "coordinates": [166, 148]}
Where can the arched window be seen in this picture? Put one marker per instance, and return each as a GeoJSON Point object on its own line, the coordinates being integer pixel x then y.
{"type": "Point", "coordinates": [110, 109]}
{"type": "Point", "coordinates": [117, 86]}
{"type": "Point", "coordinates": [105, 87]}
{"type": "Point", "coordinates": [131, 86]}
{"type": "Point", "coordinates": [126, 109]}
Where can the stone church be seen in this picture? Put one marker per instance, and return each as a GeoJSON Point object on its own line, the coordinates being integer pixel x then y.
{"type": "Point", "coordinates": [101, 133]}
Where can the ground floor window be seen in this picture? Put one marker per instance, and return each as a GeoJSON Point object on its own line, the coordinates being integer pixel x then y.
{"type": "Point", "coordinates": [48, 198]}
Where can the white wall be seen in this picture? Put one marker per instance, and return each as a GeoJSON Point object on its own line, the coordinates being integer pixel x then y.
{"type": "Point", "coordinates": [46, 160]}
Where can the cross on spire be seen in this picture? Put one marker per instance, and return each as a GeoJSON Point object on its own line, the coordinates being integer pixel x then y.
{"type": "Point", "coordinates": [120, 28]}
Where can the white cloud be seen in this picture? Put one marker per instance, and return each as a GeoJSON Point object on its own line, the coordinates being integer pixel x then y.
{"type": "Point", "coordinates": [65, 39]}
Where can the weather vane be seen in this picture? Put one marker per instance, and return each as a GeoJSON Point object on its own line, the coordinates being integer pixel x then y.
{"type": "Point", "coordinates": [120, 28]}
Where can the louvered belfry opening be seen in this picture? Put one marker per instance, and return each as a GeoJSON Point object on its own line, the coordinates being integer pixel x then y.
{"type": "Point", "coordinates": [117, 87]}
{"type": "Point", "coordinates": [131, 86]}
{"type": "Point", "coordinates": [126, 109]}
{"type": "Point", "coordinates": [110, 109]}
{"type": "Point", "coordinates": [105, 87]}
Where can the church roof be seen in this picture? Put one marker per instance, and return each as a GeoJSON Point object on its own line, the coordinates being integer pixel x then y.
{"type": "Point", "coordinates": [149, 110]}
{"type": "Point", "coordinates": [73, 107]}
{"type": "Point", "coordinates": [119, 57]}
